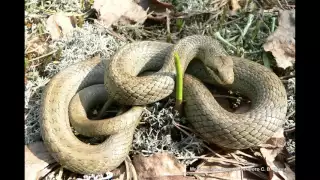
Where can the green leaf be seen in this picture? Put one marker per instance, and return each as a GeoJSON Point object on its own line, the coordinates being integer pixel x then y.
{"type": "Point", "coordinates": [180, 24]}
{"type": "Point", "coordinates": [266, 60]}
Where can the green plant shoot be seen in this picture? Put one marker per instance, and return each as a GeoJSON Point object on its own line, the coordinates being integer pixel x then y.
{"type": "Point", "coordinates": [179, 83]}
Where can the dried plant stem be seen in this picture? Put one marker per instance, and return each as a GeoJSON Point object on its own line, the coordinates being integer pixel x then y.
{"type": "Point", "coordinates": [45, 55]}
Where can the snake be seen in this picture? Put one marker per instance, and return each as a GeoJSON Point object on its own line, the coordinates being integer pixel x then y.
{"type": "Point", "coordinates": [70, 94]}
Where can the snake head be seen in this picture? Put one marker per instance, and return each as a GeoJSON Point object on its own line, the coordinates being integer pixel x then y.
{"type": "Point", "coordinates": [221, 69]}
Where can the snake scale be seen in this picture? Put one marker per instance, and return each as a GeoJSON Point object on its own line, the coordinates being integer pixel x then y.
{"type": "Point", "coordinates": [74, 90]}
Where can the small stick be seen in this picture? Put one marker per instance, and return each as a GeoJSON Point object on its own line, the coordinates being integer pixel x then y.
{"type": "Point", "coordinates": [188, 134]}
{"type": "Point", "coordinates": [48, 54]}
{"type": "Point", "coordinates": [245, 154]}
{"type": "Point", "coordinates": [290, 114]}
{"type": "Point", "coordinates": [250, 19]}
{"type": "Point", "coordinates": [218, 36]}
{"type": "Point", "coordinates": [289, 130]}
{"type": "Point", "coordinates": [219, 160]}
{"type": "Point", "coordinates": [288, 76]}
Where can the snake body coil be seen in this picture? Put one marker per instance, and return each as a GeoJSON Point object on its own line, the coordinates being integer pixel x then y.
{"type": "Point", "coordinates": [122, 83]}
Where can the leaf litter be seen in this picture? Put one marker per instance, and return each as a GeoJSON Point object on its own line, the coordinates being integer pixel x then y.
{"type": "Point", "coordinates": [123, 12]}
{"type": "Point", "coordinates": [282, 42]}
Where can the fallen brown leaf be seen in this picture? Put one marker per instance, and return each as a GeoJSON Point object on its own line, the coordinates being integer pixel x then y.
{"type": "Point", "coordinates": [276, 141]}
{"type": "Point", "coordinates": [160, 10]}
{"type": "Point", "coordinates": [235, 5]}
{"type": "Point", "coordinates": [113, 12]}
{"type": "Point", "coordinates": [286, 173]}
{"type": "Point", "coordinates": [171, 178]}
{"type": "Point", "coordinates": [270, 150]}
{"type": "Point", "coordinates": [37, 45]}
{"type": "Point", "coordinates": [282, 42]}
{"type": "Point", "coordinates": [214, 171]}
{"type": "Point", "coordinates": [158, 165]}
{"type": "Point", "coordinates": [119, 11]}
{"type": "Point", "coordinates": [119, 173]}
{"type": "Point", "coordinates": [155, 5]}
{"type": "Point", "coordinates": [37, 158]}
{"type": "Point", "coordinates": [60, 24]}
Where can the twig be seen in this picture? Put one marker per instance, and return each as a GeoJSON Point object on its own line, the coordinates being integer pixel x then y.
{"type": "Point", "coordinates": [291, 159]}
{"type": "Point", "coordinates": [59, 176]}
{"type": "Point", "coordinates": [128, 174]}
{"type": "Point", "coordinates": [34, 39]}
{"type": "Point", "coordinates": [287, 77]}
{"type": "Point", "coordinates": [225, 170]}
{"type": "Point", "coordinates": [48, 54]}
{"type": "Point", "coordinates": [114, 34]}
{"type": "Point", "coordinates": [218, 36]}
{"type": "Point", "coordinates": [233, 21]}
{"type": "Point", "coordinates": [180, 125]}
{"type": "Point", "coordinates": [245, 30]}
{"type": "Point", "coordinates": [132, 168]}
{"type": "Point", "coordinates": [245, 154]}
{"type": "Point", "coordinates": [211, 18]}
{"type": "Point", "coordinates": [177, 125]}
{"type": "Point", "coordinates": [48, 169]}
{"type": "Point", "coordinates": [290, 114]}
{"type": "Point", "coordinates": [37, 47]}
{"type": "Point", "coordinates": [169, 38]}
{"type": "Point", "coordinates": [211, 176]}
{"type": "Point", "coordinates": [280, 4]}
{"type": "Point", "coordinates": [219, 160]}
{"type": "Point", "coordinates": [254, 52]}
{"type": "Point", "coordinates": [289, 130]}
{"type": "Point", "coordinates": [188, 134]}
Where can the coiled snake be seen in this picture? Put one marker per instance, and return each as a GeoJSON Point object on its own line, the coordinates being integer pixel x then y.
{"type": "Point", "coordinates": [74, 90]}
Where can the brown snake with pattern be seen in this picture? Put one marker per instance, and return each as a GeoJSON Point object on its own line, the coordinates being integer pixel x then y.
{"type": "Point", "coordinates": [76, 89]}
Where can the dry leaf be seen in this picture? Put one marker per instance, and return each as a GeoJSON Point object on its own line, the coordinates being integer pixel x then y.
{"type": "Point", "coordinates": [160, 10]}
{"type": "Point", "coordinates": [235, 5]}
{"type": "Point", "coordinates": [214, 171]}
{"type": "Point", "coordinates": [60, 24]}
{"type": "Point", "coordinates": [37, 45]}
{"type": "Point", "coordinates": [119, 173]}
{"type": "Point", "coordinates": [282, 42]}
{"type": "Point", "coordinates": [276, 141]}
{"type": "Point", "coordinates": [123, 11]}
{"type": "Point", "coordinates": [158, 165]}
{"type": "Point", "coordinates": [36, 159]}
{"type": "Point", "coordinates": [171, 178]}
{"type": "Point", "coordinates": [270, 150]}
{"type": "Point", "coordinates": [286, 174]}
{"type": "Point", "coordinates": [273, 146]}
{"type": "Point", "coordinates": [154, 5]}
{"type": "Point", "coordinates": [279, 171]}
{"type": "Point", "coordinates": [112, 12]}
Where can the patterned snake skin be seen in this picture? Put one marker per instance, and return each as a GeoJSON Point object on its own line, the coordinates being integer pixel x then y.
{"type": "Point", "coordinates": [76, 89]}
